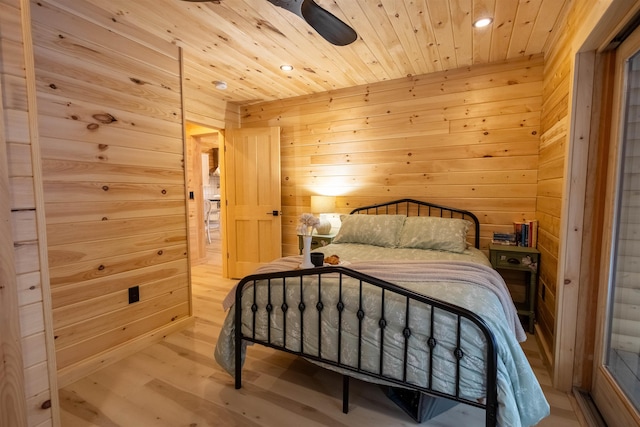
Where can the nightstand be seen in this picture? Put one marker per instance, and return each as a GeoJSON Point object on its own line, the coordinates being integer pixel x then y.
{"type": "Point", "coordinates": [518, 266]}
{"type": "Point", "coordinates": [318, 240]}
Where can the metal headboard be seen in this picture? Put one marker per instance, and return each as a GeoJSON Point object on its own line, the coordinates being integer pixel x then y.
{"type": "Point", "coordinates": [411, 207]}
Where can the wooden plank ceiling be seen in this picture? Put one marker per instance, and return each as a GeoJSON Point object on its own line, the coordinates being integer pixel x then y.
{"type": "Point", "coordinates": [244, 42]}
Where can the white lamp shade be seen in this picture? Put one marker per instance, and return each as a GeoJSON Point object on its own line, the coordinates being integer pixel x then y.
{"type": "Point", "coordinates": [323, 204]}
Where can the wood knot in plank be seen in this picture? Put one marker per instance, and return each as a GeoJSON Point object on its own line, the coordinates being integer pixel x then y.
{"type": "Point", "coordinates": [137, 81]}
{"type": "Point", "coordinates": [93, 126]}
{"type": "Point", "coordinates": [104, 118]}
{"type": "Point", "coordinates": [262, 23]}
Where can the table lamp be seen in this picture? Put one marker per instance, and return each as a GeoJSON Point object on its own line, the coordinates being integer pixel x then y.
{"type": "Point", "coordinates": [321, 205]}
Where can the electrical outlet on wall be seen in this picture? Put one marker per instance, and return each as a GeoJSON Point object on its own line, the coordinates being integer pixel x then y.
{"type": "Point", "coordinates": [134, 294]}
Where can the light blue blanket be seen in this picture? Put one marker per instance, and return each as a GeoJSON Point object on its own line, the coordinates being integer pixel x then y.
{"type": "Point", "coordinates": [472, 285]}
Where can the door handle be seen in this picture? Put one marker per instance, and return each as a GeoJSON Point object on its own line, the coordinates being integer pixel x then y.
{"type": "Point", "coordinates": [274, 213]}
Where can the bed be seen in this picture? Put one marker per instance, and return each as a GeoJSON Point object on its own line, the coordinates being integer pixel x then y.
{"type": "Point", "coordinates": [412, 306]}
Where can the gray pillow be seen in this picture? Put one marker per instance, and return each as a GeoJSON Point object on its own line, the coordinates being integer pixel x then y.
{"type": "Point", "coordinates": [429, 232]}
{"type": "Point", "coordinates": [376, 230]}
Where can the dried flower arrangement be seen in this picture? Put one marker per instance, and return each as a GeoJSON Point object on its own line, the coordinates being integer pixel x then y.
{"type": "Point", "coordinates": [308, 223]}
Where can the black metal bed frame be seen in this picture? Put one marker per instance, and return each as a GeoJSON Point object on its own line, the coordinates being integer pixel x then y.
{"type": "Point", "coordinates": [281, 280]}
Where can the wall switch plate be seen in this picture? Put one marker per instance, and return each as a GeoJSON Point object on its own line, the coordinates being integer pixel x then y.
{"type": "Point", "coordinates": [134, 294]}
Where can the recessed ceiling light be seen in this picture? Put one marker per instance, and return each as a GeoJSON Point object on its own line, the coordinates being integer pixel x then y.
{"type": "Point", "coordinates": [483, 22]}
{"type": "Point", "coordinates": [220, 85]}
{"type": "Point", "coordinates": [286, 67]}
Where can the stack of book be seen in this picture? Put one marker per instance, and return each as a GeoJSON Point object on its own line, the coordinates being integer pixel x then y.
{"type": "Point", "coordinates": [526, 233]}
{"type": "Point", "coordinates": [508, 239]}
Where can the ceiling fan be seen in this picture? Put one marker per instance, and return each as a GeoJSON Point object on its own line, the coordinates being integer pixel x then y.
{"type": "Point", "coordinates": [324, 22]}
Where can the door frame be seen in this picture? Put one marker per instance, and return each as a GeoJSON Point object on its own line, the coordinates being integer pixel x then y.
{"type": "Point", "coordinates": [610, 399]}
{"type": "Point", "coordinates": [193, 148]}
{"type": "Point", "coordinates": [571, 354]}
{"type": "Point", "coordinates": [575, 331]}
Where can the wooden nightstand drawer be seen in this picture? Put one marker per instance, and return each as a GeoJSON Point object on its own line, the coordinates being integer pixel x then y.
{"type": "Point", "coordinates": [319, 241]}
{"type": "Point", "coordinates": [526, 259]}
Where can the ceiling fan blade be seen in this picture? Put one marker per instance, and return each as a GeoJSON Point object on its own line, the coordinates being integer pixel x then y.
{"type": "Point", "coordinates": [327, 24]}
{"type": "Point", "coordinates": [330, 27]}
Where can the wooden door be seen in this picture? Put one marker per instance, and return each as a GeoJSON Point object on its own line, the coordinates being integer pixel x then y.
{"type": "Point", "coordinates": [617, 365]}
{"type": "Point", "coordinates": [253, 229]}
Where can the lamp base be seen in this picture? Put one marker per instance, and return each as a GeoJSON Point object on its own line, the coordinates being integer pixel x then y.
{"type": "Point", "coordinates": [324, 227]}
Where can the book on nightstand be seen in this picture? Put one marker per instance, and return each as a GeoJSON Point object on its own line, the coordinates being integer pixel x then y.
{"type": "Point", "coordinates": [526, 233]}
{"type": "Point", "coordinates": [507, 239]}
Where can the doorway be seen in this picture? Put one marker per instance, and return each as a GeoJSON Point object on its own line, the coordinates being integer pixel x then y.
{"type": "Point", "coordinates": [616, 373]}
{"type": "Point", "coordinates": [204, 188]}
{"type": "Point", "coordinates": [248, 164]}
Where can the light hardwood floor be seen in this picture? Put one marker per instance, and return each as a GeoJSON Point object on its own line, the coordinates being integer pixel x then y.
{"type": "Point", "coordinates": [178, 383]}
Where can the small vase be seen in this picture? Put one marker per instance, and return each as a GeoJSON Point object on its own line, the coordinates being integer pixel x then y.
{"type": "Point", "coordinates": [306, 252]}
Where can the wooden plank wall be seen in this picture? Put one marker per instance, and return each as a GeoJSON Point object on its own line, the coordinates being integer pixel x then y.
{"type": "Point", "coordinates": [111, 126]}
{"type": "Point", "coordinates": [553, 141]}
{"type": "Point", "coordinates": [204, 105]}
{"type": "Point", "coordinates": [555, 123]}
{"type": "Point", "coordinates": [27, 368]}
{"type": "Point", "coordinates": [467, 138]}
{"type": "Point", "coordinates": [13, 408]}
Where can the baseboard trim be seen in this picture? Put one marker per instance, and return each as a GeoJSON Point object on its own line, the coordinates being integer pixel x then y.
{"type": "Point", "coordinates": [73, 373]}
{"type": "Point", "coordinates": [546, 354]}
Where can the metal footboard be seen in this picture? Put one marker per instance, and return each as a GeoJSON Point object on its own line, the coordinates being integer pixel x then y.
{"type": "Point", "coordinates": [341, 279]}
